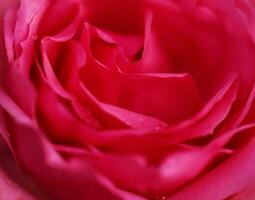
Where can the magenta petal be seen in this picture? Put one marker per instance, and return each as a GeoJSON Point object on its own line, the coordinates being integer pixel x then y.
{"type": "Point", "coordinates": [27, 21]}
{"type": "Point", "coordinates": [20, 88]}
{"type": "Point", "coordinates": [183, 164]}
{"type": "Point", "coordinates": [14, 182]}
{"type": "Point", "coordinates": [9, 24]}
{"type": "Point", "coordinates": [248, 8]}
{"type": "Point", "coordinates": [27, 18]}
{"type": "Point", "coordinates": [127, 100]}
{"type": "Point", "coordinates": [231, 177]}
{"type": "Point", "coordinates": [130, 44]}
{"type": "Point", "coordinates": [150, 179]}
{"type": "Point", "coordinates": [246, 194]}
{"type": "Point", "coordinates": [213, 113]}
{"type": "Point", "coordinates": [61, 20]}
{"type": "Point", "coordinates": [132, 119]}
{"type": "Point", "coordinates": [11, 107]}
{"type": "Point", "coordinates": [50, 53]}
{"type": "Point", "coordinates": [160, 95]}
{"type": "Point", "coordinates": [36, 154]}
{"type": "Point", "coordinates": [153, 58]}
{"type": "Point", "coordinates": [129, 13]}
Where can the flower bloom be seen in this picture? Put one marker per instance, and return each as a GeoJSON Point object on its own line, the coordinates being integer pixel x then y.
{"type": "Point", "coordinates": [128, 100]}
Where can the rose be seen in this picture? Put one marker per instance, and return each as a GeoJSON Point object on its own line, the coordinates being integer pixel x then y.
{"type": "Point", "coordinates": [130, 99]}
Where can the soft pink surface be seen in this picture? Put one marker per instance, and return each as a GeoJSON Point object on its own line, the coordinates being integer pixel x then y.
{"type": "Point", "coordinates": [132, 99]}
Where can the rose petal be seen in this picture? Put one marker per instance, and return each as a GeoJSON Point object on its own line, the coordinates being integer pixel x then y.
{"type": "Point", "coordinates": [236, 173]}
{"type": "Point", "coordinates": [128, 12]}
{"type": "Point", "coordinates": [14, 182]}
{"type": "Point", "coordinates": [205, 121]}
{"type": "Point", "coordinates": [36, 154]}
{"type": "Point", "coordinates": [132, 119]}
{"type": "Point", "coordinates": [28, 17]}
{"type": "Point", "coordinates": [247, 8]}
{"type": "Point", "coordinates": [160, 95]}
{"type": "Point", "coordinates": [9, 24]}
{"type": "Point", "coordinates": [61, 20]}
{"type": "Point", "coordinates": [153, 59]}
{"type": "Point", "coordinates": [247, 194]}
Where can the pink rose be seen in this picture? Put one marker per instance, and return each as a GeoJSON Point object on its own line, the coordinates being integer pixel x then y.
{"type": "Point", "coordinates": [130, 100]}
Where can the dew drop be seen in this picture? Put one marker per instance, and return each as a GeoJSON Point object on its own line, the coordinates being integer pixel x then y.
{"type": "Point", "coordinates": [160, 197]}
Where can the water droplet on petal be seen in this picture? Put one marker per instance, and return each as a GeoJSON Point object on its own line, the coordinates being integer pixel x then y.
{"type": "Point", "coordinates": [160, 197]}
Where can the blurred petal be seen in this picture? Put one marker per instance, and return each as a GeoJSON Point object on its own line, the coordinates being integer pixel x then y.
{"type": "Point", "coordinates": [14, 182]}
{"type": "Point", "coordinates": [247, 194]}
{"type": "Point", "coordinates": [231, 177]}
